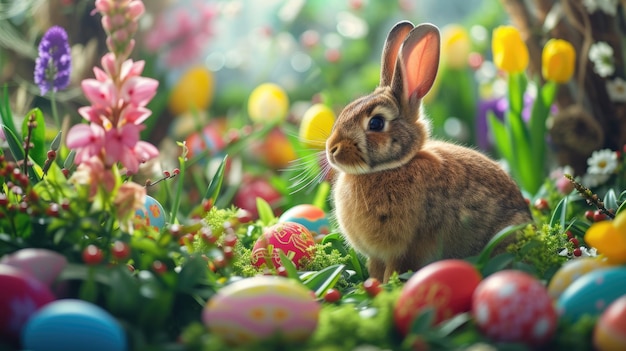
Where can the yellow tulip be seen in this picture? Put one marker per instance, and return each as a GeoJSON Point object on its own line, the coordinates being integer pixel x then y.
{"type": "Point", "coordinates": [455, 46]}
{"type": "Point", "coordinates": [194, 90]}
{"type": "Point", "coordinates": [268, 103]}
{"type": "Point", "coordinates": [557, 60]}
{"type": "Point", "coordinates": [510, 53]}
{"type": "Point", "coordinates": [609, 238]}
{"type": "Point", "coordinates": [316, 126]}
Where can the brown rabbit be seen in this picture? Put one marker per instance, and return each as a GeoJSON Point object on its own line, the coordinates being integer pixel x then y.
{"type": "Point", "coordinates": [404, 200]}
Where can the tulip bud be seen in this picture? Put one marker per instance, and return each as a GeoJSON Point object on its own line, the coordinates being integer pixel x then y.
{"type": "Point", "coordinates": [557, 60]}
{"type": "Point", "coordinates": [510, 53]}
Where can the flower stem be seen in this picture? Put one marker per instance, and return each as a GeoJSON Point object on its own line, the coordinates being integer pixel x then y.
{"type": "Point", "coordinates": [55, 113]}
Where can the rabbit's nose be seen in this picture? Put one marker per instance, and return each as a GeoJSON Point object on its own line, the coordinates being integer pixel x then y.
{"type": "Point", "coordinates": [335, 149]}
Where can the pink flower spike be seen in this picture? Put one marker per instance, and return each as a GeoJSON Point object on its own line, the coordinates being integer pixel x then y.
{"type": "Point", "coordinates": [145, 151]}
{"type": "Point", "coordinates": [119, 143]}
{"type": "Point", "coordinates": [91, 114]}
{"type": "Point", "coordinates": [103, 6]}
{"type": "Point", "coordinates": [101, 75]}
{"type": "Point", "coordinates": [106, 23]}
{"type": "Point", "coordinates": [108, 63]}
{"type": "Point", "coordinates": [136, 9]}
{"type": "Point", "coordinates": [98, 93]}
{"type": "Point", "coordinates": [139, 90]}
{"type": "Point", "coordinates": [134, 115]}
{"type": "Point", "coordinates": [88, 140]}
{"type": "Point", "coordinates": [131, 69]}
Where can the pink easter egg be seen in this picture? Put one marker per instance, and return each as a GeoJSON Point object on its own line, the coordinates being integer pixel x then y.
{"type": "Point", "coordinates": [288, 237]}
{"type": "Point", "coordinates": [43, 264]}
{"type": "Point", "coordinates": [21, 296]}
{"type": "Point", "coordinates": [513, 306]}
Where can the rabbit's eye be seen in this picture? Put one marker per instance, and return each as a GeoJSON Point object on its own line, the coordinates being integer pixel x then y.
{"type": "Point", "coordinates": [377, 123]}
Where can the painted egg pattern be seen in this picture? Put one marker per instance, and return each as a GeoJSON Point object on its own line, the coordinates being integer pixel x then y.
{"type": "Point", "coordinates": [261, 307]}
{"type": "Point", "coordinates": [209, 139]}
{"type": "Point", "coordinates": [610, 330]}
{"type": "Point", "coordinates": [73, 325]}
{"type": "Point", "coordinates": [310, 216]}
{"type": "Point", "coordinates": [572, 270]}
{"type": "Point", "coordinates": [513, 306]}
{"type": "Point", "coordinates": [21, 295]}
{"type": "Point", "coordinates": [447, 286]}
{"type": "Point", "coordinates": [152, 214]}
{"type": "Point", "coordinates": [592, 293]}
{"type": "Point", "coordinates": [288, 237]}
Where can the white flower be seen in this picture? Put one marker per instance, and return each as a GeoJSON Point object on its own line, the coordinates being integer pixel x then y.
{"type": "Point", "coordinates": [601, 54]}
{"type": "Point", "coordinates": [602, 162]}
{"type": "Point", "coordinates": [591, 252]}
{"type": "Point", "coordinates": [607, 6]}
{"type": "Point", "coordinates": [616, 89]}
{"type": "Point", "coordinates": [594, 180]}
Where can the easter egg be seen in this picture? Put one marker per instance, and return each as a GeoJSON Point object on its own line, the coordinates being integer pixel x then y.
{"type": "Point", "coordinates": [316, 125]}
{"type": "Point", "coordinates": [288, 237]}
{"type": "Point", "coordinates": [513, 306]}
{"type": "Point", "coordinates": [275, 149]}
{"type": "Point", "coordinates": [572, 270]}
{"type": "Point", "coordinates": [310, 216]}
{"type": "Point", "coordinates": [209, 140]}
{"type": "Point", "coordinates": [194, 90]}
{"type": "Point", "coordinates": [592, 293]}
{"type": "Point", "coordinates": [152, 213]}
{"type": "Point", "coordinates": [73, 325]}
{"type": "Point", "coordinates": [610, 331]}
{"type": "Point", "coordinates": [446, 286]}
{"type": "Point", "coordinates": [252, 188]}
{"type": "Point", "coordinates": [262, 307]}
{"type": "Point", "coordinates": [21, 295]}
{"type": "Point", "coordinates": [42, 264]}
{"type": "Point", "coordinates": [268, 104]}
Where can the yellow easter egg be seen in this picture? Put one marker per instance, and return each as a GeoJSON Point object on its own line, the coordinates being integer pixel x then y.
{"type": "Point", "coordinates": [609, 238]}
{"type": "Point", "coordinates": [571, 271]}
{"type": "Point", "coordinates": [194, 90]}
{"type": "Point", "coordinates": [268, 103]}
{"type": "Point", "coordinates": [316, 126]}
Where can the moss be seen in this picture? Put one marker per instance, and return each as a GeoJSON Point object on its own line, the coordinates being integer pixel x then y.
{"type": "Point", "coordinates": [540, 249]}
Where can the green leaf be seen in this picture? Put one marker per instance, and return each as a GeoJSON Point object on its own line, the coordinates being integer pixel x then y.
{"type": "Point", "coordinates": [497, 263]}
{"type": "Point", "coordinates": [37, 135]}
{"type": "Point", "coordinates": [322, 195]}
{"type": "Point", "coordinates": [517, 84]}
{"type": "Point", "coordinates": [423, 321]}
{"type": "Point", "coordinates": [610, 200]}
{"type": "Point", "coordinates": [266, 214]}
{"type": "Point", "coordinates": [5, 112]}
{"type": "Point", "coordinates": [292, 271]}
{"type": "Point", "coordinates": [215, 185]}
{"type": "Point", "coordinates": [491, 245]}
{"type": "Point", "coordinates": [192, 273]}
{"type": "Point", "coordinates": [324, 279]}
{"type": "Point", "coordinates": [15, 145]}
{"type": "Point", "coordinates": [538, 116]}
{"type": "Point", "coordinates": [559, 214]}
{"type": "Point", "coordinates": [500, 137]}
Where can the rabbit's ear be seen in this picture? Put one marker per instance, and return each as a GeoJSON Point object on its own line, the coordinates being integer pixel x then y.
{"type": "Point", "coordinates": [395, 38]}
{"type": "Point", "coordinates": [417, 64]}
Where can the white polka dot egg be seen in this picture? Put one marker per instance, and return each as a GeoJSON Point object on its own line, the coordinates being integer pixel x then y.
{"type": "Point", "coordinates": [262, 307]}
{"type": "Point", "coordinates": [513, 306]}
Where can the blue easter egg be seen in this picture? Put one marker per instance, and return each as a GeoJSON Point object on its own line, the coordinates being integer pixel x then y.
{"type": "Point", "coordinates": [310, 216]}
{"type": "Point", "coordinates": [152, 213]}
{"type": "Point", "coordinates": [73, 325]}
{"type": "Point", "coordinates": [592, 293]}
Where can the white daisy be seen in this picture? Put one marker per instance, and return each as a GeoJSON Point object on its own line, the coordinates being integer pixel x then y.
{"type": "Point", "coordinates": [593, 180]}
{"type": "Point", "coordinates": [591, 252]}
{"type": "Point", "coordinates": [607, 6]}
{"type": "Point", "coordinates": [602, 162]}
{"type": "Point", "coordinates": [616, 89]}
{"type": "Point", "coordinates": [601, 54]}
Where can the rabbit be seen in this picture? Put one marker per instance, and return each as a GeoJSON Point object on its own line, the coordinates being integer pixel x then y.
{"type": "Point", "coordinates": [400, 198]}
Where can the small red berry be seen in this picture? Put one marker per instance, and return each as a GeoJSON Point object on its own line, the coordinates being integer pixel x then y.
{"type": "Point", "coordinates": [120, 250]}
{"type": "Point", "coordinates": [230, 240]}
{"type": "Point", "coordinates": [243, 216]}
{"type": "Point", "coordinates": [574, 242]}
{"type": "Point", "coordinates": [220, 262]}
{"type": "Point", "coordinates": [66, 172]}
{"type": "Point", "coordinates": [92, 255]}
{"type": "Point", "coordinates": [372, 286]}
{"type": "Point", "coordinates": [589, 215]}
{"type": "Point", "coordinates": [541, 204]}
{"type": "Point", "coordinates": [282, 271]}
{"type": "Point", "coordinates": [569, 234]}
{"type": "Point", "coordinates": [52, 154]}
{"type": "Point", "coordinates": [577, 252]}
{"type": "Point", "coordinates": [175, 230]}
{"type": "Point", "coordinates": [53, 210]}
{"type": "Point", "coordinates": [332, 55]}
{"type": "Point", "coordinates": [332, 295]}
{"type": "Point", "coordinates": [186, 239]}
{"type": "Point", "coordinates": [159, 267]}
{"type": "Point", "coordinates": [599, 216]}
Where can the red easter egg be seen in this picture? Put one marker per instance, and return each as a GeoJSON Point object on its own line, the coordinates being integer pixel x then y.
{"type": "Point", "coordinates": [610, 330]}
{"type": "Point", "coordinates": [21, 295]}
{"type": "Point", "coordinates": [288, 237]}
{"type": "Point", "coordinates": [447, 286]}
{"type": "Point", "coordinates": [250, 189]}
{"type": "Point", "coordinates": [513, 306]}
{"type": "Point", "coordinates": [209, 138]}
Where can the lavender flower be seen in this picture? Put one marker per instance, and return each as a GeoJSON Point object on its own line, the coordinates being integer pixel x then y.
{"type": "Point", "coordinates": [53, 66]}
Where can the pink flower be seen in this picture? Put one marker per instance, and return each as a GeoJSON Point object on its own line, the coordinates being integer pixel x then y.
{"type": "Point", "coordinates": [92, 173]}
{"type": "Point", "coordinates": [87, 140]}
{"type": "Point", "coordinates": [119, 146]}
{"type": "Point", "coordinates": [99, 93]}
{"type": "Point", "coordinates": [138, 91]}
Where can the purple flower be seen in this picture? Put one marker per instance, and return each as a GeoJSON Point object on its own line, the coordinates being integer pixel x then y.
{"type": "Point", "coordinates": [53, 66]}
